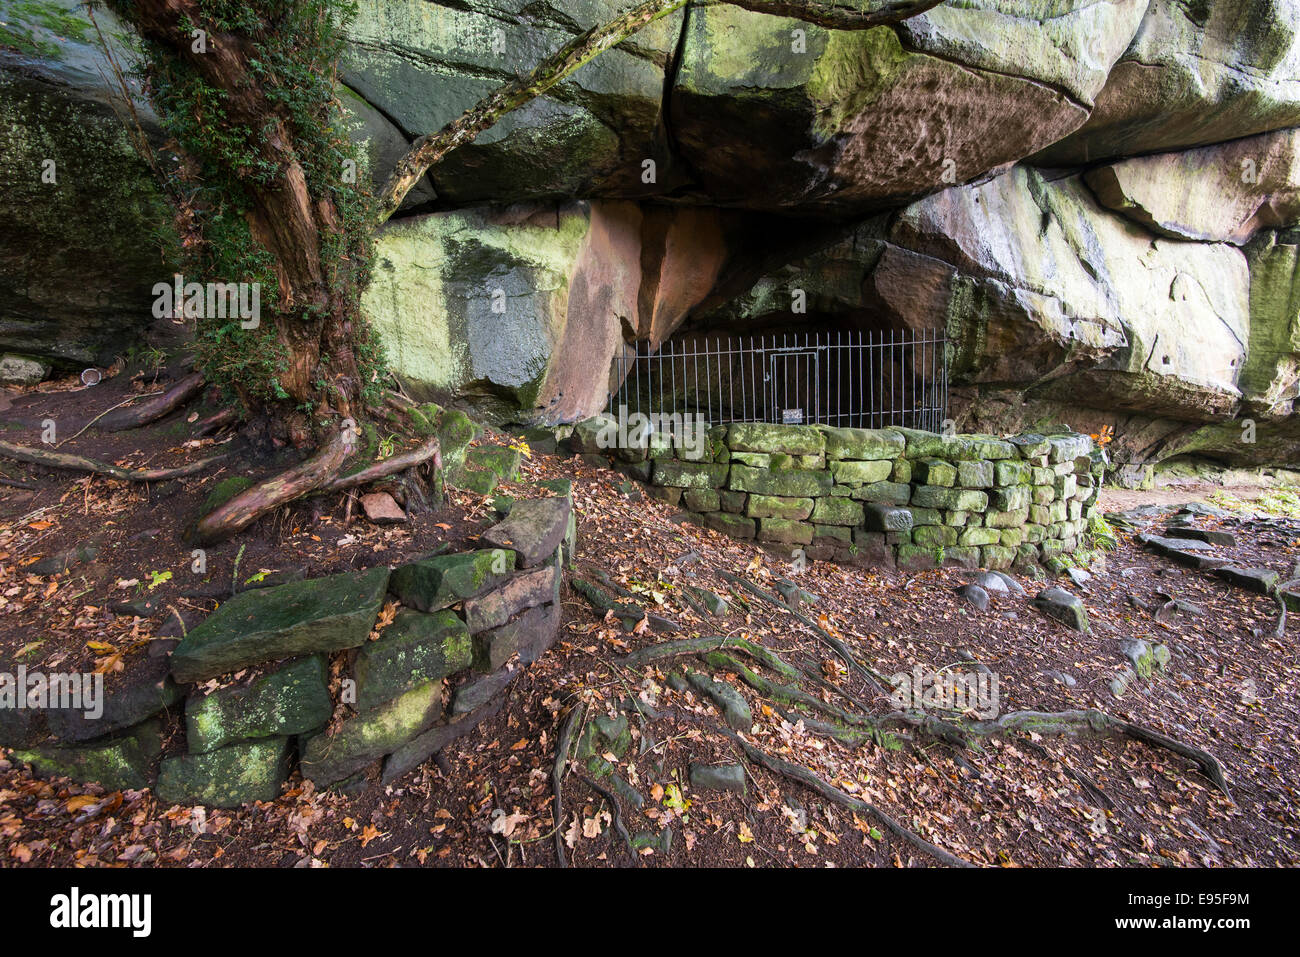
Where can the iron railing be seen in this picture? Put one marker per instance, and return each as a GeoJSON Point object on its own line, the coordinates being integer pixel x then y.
{"type": "Point", "coordinates": [858, 379]}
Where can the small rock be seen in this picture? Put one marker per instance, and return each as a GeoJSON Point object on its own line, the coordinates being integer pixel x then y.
{"type": "Point", "coordinates": [991, 582]}
{"type": "Point", "coordinates": [1078, 576]}
{"type": "Point", "coordinates": [1206, 535]}
{"type": "Point", "coordinates": [1013, 586]}
{"type": "Point", "coordinates": [1059, 604]}
{"type": "Point", "coordinates": [1260, 580]}
{"type": "Point", "coordinates": [791, 592]}
{"type": "Point", "coordinates": [382, 509]}
{"type": "Point", "coordinates": [976, 595]}
{"type": "Point", "coordinates": [1138, 651]}
{"type": "Point", "coordinates": [718, 777]}
{"type": "Point", "coordinates": [22, 370]}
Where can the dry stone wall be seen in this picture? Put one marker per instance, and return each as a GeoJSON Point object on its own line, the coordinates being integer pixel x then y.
{"type": "Point", "coordinates": [897, 497]}
{"type": "Point", "coordinates": [317, 691]}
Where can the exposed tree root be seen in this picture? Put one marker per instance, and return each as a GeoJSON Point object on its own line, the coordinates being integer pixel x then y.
{"type": "Point", "coordinates": [216, 422]}
{"type": "Point", "coordinates": [154, 409]}
{"type": "Point", "coordinates": [693, 646]}
{"type": "Point", "coordinates": [78, 463]}
{"type": "Point", "coordinates": [293, 483]}
{"type": "Point", "coordinates": [399, 462]}
{"type": "Point", "coordinates": [619, 826]}
{"type": "Point", "coordinates": [796, 772]}
{"type": "Point", "coordinates": [852, 726]}
{"type": "Point", "coordinates": [790, 694]}
{"type": "Point", "coordinates": [839, 647]}
{"type": "Point", "coordinates": [562, 749]}
{"type": "Point", "coordinates": [629, 614]}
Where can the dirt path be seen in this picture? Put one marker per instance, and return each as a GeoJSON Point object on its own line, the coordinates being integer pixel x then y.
{"type": "Point", "coordinates": [1120, 499]}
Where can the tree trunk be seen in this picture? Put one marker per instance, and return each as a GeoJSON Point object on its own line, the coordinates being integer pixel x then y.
{"type": "Point", "coordinates": [314, 317]}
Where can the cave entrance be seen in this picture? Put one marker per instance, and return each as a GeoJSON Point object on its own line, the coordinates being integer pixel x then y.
{"type": "Point", "coordinates": [847, 378]}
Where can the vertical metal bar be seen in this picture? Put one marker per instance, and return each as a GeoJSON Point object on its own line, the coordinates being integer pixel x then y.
{"type": "Point", "coordinates": [894, 398]}
{"type": "Point", "coordinates": [695, 379]}
{"type": "Point", "coordinates": [933, 380]}
{"type": "Point", "coordinates": [740, 355]}
{"type": "Point", "coordinates": [720, 419]}
{"type": "Point", "coordinates": [731, 385]}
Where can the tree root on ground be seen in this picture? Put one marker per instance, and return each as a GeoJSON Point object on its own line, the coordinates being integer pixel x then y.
{"type": "Point", "coordinates": [840, 648]}
{"type": "Point", "coordinates": [619, 826]}
{"type": "Point", "coordinates": [562, 748]}
{"type": "Point", "coordinates": [804, 776]}
{"type": "Point", "coordinates": [153, 410]}
{"type": "Point", "coordinates": [693, 646]}
{"type": "Point", "coordinates": [293, 483]}
{"type": "Point", "coordinates": [399, 462]}
{"type": "Point", "coordinates": [629, 614]}
{"type": "Point", "coordinates": [78, 463]}
{"type": "Point", "coordinates": [216, 422]}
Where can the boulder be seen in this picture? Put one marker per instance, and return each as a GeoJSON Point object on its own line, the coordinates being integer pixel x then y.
{"type": "Point", "coordinates": [790, 484]}
{"type": "Point", "coordinates": [439, 582]}
{"type": "Point", "coordinates": [514, 310]}
{"type": "Point", "coordinates": [1059, 604]}
{"type": "Point", "coordinates": [382, 509]}
{"type": "Point", "coordinates": [1221, 194]}
{"type": "Point", "coordinates": [528, 636]}
{"type": "Point", "coordinates": [291, 700]}
{"type": "Point", "coordinates": [760, 437]}
{"type": "Point", "coordinates": [854, 120]}
{"type": "Point", "coordinates": [327, 758]}
{"type": "Point", "coordinates": [534, 529]}
{"type": "Point", "coordinates": [232, 776]}
{"type": "Point", "coordinates": [1043, 278]}
{"type": "Point", "coordinates": [718, 777]}
{"type": "Point", "coordinates": [123, 762]}
{"type": "Point", "coordinates": [525, 590]}
{"type": "Point", "coordinates": [267, 624]}
{"type": "Point", "coordinates": [79, 255]}
{"type": "Point", "coordinates": [416, 648]}
{"type": "Point", "coordinates": [1259, 580]}
{"type": "Point", "coordinates": [1194, 74]}
{"type": "Point", "coordinates": [22, 370]}
{"type": "Point", "coordinates": [423, 64]}
{"type": "Point", "coordinates": [139, 692]}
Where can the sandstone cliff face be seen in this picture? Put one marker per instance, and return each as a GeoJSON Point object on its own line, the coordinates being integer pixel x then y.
{"type": "Point", "coordinates": [1096, 198]}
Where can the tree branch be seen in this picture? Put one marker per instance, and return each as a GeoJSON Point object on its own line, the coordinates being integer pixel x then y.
{"type": "Point", "coordinates": [429, 149]}
{"type": "Point", "coordinates": [77, 463]}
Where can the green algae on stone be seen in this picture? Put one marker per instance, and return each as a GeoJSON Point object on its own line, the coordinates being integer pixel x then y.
{"type": "Point", "coordinates": [432, 584]}
{"type": "Point", "coordinates": [415, 648]}
{"type": "Point", "coordinates": [328, 758]}
{"type": "Point", "coordinates": [290, 700]}
{"type": "Point", "coordinates": [122, 763]}
{"type": "Point", "coordinates": [268, 624]}
{"type": "Point", "coordinates": [232, 776]}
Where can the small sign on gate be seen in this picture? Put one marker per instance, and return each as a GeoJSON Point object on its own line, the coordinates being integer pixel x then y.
{"type": "Point", "coordinates": [792, 416]}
